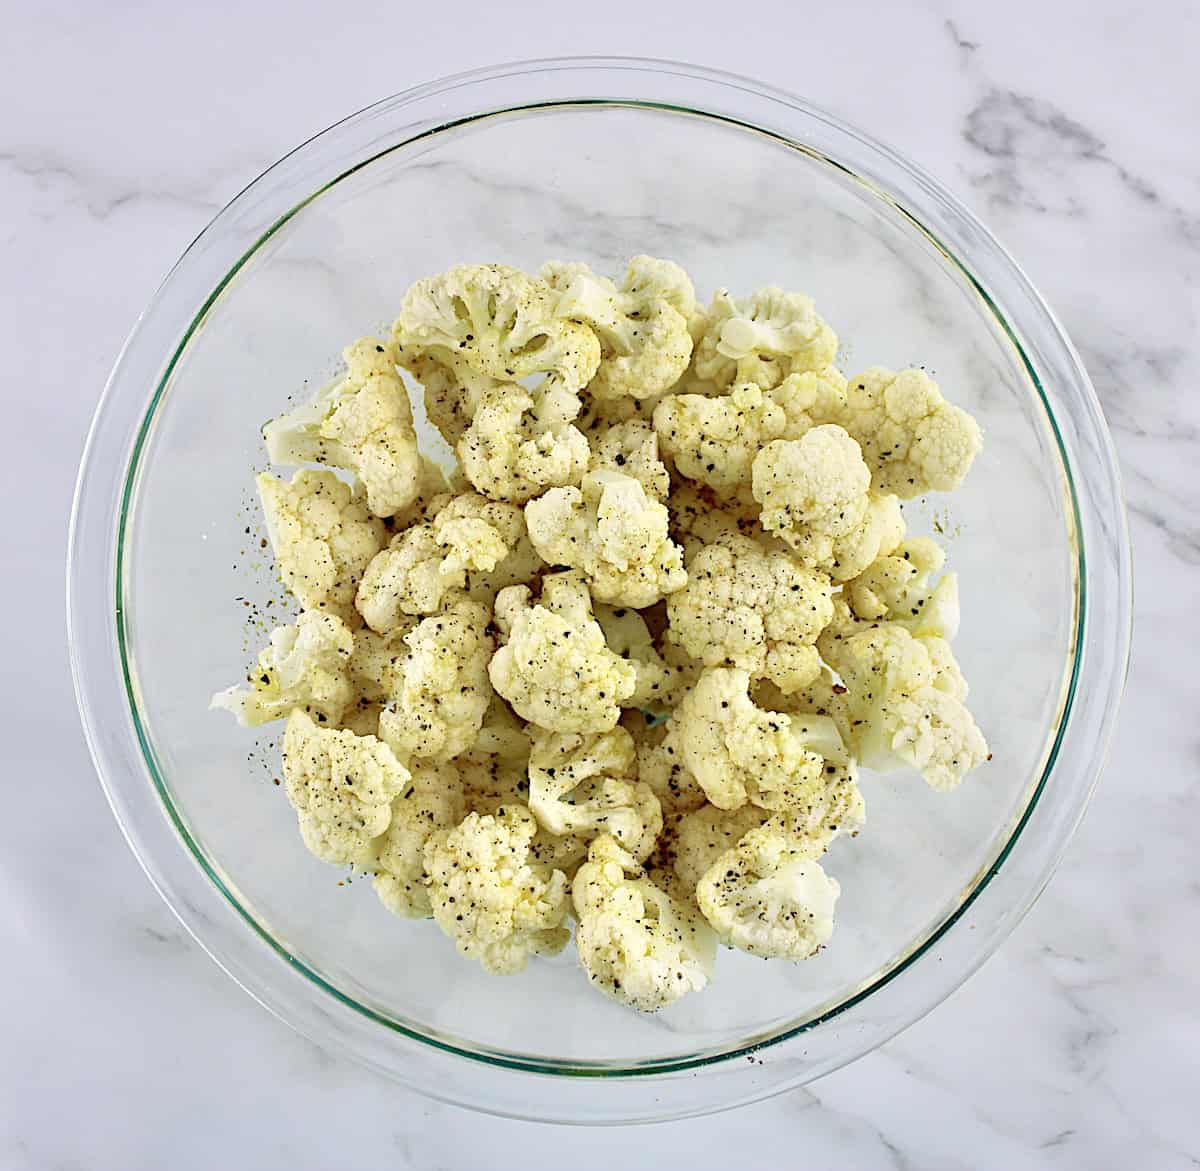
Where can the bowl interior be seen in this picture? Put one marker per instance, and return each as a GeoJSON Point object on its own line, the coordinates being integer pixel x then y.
{"type": "Point", "coordinates": [596, 182]}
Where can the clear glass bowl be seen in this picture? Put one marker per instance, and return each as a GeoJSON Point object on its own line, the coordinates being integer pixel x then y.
{"type": "Point", "coordinates": [596, 160]}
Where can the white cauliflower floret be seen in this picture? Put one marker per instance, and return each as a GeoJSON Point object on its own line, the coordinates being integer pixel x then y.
{"type": "Point", "coordinates": [896, 711]}
{"type": "Point", "coordinates": [450, 387]}
{"type": "Point", "coordinates": [740, 752]}
{"type": "Point", "coordinates": [635, 942]}
{"type": "Point", "coordinates": [763, 339]}
{"type": "Point", "coordinates": [913, 440]}
{"type": "Point", "coordinates": [521, 443]}
{"type": "Point", "coordinates": [444, 692]}
{"type": "Point", "coordinates": [814, 495]}
{"type": "Point", "coordinates": [587, 785]}
{"type": "Point", "coordinates": [704, 834]}
{"type": "Point", "coordinates": [473, 544]}
{"type": "Point", "coordinates": [897, 588]}
{"type": "Point", "coordinates": [363, 423]}
{"type": "Point", "coordinates": [645, 345]}
{"type": "Point", "coordinates": [715, 440]}
{"type": "Point", "coordinates": [487, 895]}
{"type": "Point", "coordinates": [322, 536]}
{"type": "Point", "coordinates": [751, 607]}
{"type": "Point", "coordinates": [341, 786]}
{"type": "Point", "coordinates": [305, 665]}
{"type": "Point", "coordinates": [501, 322]}
{"type": "Point", "coordinates": [810, 399]}
{"type": "Point", "coordinates": [628, 635]}
{"type": "Point", "coordinates": [377, 665]}
{"type": "Point", "coordinates": [555, 667]}
{"type": "Point", "coordinates": [432, 801]}
{"type": "Point", "coordinates": [614, 533]}
{"type": "Point", "coordinates": [503, 736]}
{"type": "Point", "coordinates": [769, 896]}
{"type": "Point", "coordinates": [631, 448]}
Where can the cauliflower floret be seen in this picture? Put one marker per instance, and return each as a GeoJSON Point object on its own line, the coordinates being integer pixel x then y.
{"type": "Point", "coordinates": [499, 321]}
{"type": "Point", "coordinates": [362, 423]}
{"type": "Point", "coordinates": [587, 785]}
{"type": "Point", "coordinates": [322, 536]}
{"type": "Point", "coordinates": [473, 544]}
{"type": "Point", "coordinates": [503, 736]}
{"type": "Point", "coordinates": [432, 801]}
{"type": "Point", "coordinates": [306, 665]}
{"type": "Point", "coordinates": [897, 713]}
{"type": "Point", "coordinates": [715, 440]}
{"type": "Point", "coordinates": [660, 765]}
{"type": "Point", "coordinates": [487, 895]}
{"type": "Point", "coordinates": [769, 896]}
{"type": "Point", "coordinates": [810, 399]}
{"type": "Point", "coordinates": [614, 533]}
{"type": "Point", "coordinates": [631, 448]}
{"type": "Point", "coordinates": [555, 667]}
{"type": "Point", "coordinates": [451, 389]}
{"type": "Point", "coordinates": [341, 786]}
{"type": "Point", "coordinates": [763, 339]}
{"type": "Point", "coordinates": [645, 345]}
{"type": "Point", "coordinates": [626, 633]}
{"type": "Point", "coordinates": [740, 752]}
{"type": "Point", "coordinates": [636, 943]}
{"type": "Point", "coordinates": [913, 440]}
{"type": "Point", "coordinates": [750, 607]}
{"type": "Point", "coordinates": [521, 443]}
{"type": "Point", "coordinates": [444, 692]}
{"type": "Point", "coordinates": [704, 834]}
{"type": "Point", "coordinates": [897, 588]}
{"type": "Point", "coordinates": [377, 665]}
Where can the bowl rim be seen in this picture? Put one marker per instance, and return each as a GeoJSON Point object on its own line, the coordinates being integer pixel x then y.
{"type": "Point", "coordinates": [1104, 645]}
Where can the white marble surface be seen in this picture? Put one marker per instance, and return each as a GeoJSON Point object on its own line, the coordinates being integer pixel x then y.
{"type": "Point", "coordinates": [1071, 127]}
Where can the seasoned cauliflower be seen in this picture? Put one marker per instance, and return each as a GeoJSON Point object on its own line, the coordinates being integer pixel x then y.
{"type": "Point", "coordinates": [645, 345]}
{"type": "Point", "coordinates": [450, 387]}
{"type": "Point", "coordinates": [897, 713]}
{"type": "Point", "coordinates": [472, 545]}
{"type": "Point", "coordinates": [487, 895]}
{"type": "Point", "coordinates": [636, 943]}
{"type": "Point", "coordinates": [751, 607]}
{"type": "Point", "coordinates": [555, 667]}
{"type": "Point", "coordinates": [626, 632]}
{"type": "Point", "coordinates": [521, 443]}
{"type": "Point", "coordinates": [322, 536]}
{"type": "Point", "coordinates": [305, 665]}
{"type": "Point", "coordinates": [614, 533]}
{"type": "Point", "coordinates": [444, 692]}
{"type": "Point", "coordinates": [377, 665]}
{"type": "Point", "coordinates": [631, 448]}
{"type": "Point", "coordinates": [432, 801]}
{"type": "Point", "coordinates": [587, 785]}
{"type": "Point", "coordinates": [341, 786]}
{"type": "Point", "coordinates": [660, 765]}
{"type": "Point", "coordinates": [704, 834]}
{"type": "Point", "coordinates": [897, 588]}
{"type": "Point", "coordinates": [763, 339]}
{"type": "Point", "coordinates": [913, 440]}
{"type": "Point", "coordinates": [501, 322]}
{"type": "Point", "coordinates": [769, 896]}
{"type": "Point", "coordinates": [363, 423]}
{"type": "Point", "coordinates": [740, 752]}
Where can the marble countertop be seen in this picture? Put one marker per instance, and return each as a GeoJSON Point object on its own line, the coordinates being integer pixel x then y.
{"type": "Point", "coordinates": [1069, 127]}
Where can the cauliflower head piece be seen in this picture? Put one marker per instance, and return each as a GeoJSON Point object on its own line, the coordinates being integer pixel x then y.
{"type": "Point", "coordinates": [305, 665]}
{"type": "Point", "coordinates": [323, 538]}
{"type": "Point", "coordinates": [631, 448]}
{"type": "Point", "coordinates": [450, 387]}
{"type": "Point", "coordinates": [555, 667]}
{"type": "Point", "coordinates": [487, 894]}
{"type": "Point", "coordinates": [501, 322]}
{"type": "Point", "coordinates": [438, 709]}
{"type": "Point", "coordinates": [913, 440]}
{"type": "Point", "coordinates": [645, 345]}
{"type": "Point", "coordinates": [752, 607]}
{"type": "Point", "coordinates": [586, 785]}
{"type": "Point", "coordinates": [636, 943]}
{"type": "Point", "coordinates": [769, 896]}
{"type": "Point", "coordinates": [342, 787]}
{"type": "Point", "coordinates": [897, 588]}
{"type": "Point", "coordinates": [431, 802]}
{"type": "Point", "coordinates": [704, 834]}
{"type": "Point", "coordinates": [362, 423]}
{"type": "Point", "coordinates": [627, 634]}
{"type": "Point", "coordinates": [614, 533]}
{"type": "Point", "coordinates": [763, 339]}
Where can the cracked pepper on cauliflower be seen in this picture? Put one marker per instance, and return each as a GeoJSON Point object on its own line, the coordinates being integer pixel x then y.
{"type": "Point", "coordinates": [621, 668]}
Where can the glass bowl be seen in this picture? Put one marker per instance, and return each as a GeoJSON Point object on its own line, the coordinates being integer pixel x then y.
{"type": "Point", "coordinates": [171, 593]}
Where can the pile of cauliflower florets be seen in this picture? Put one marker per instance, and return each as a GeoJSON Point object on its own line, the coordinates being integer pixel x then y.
{"type": "Point", "coordinates": [622, 667]}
